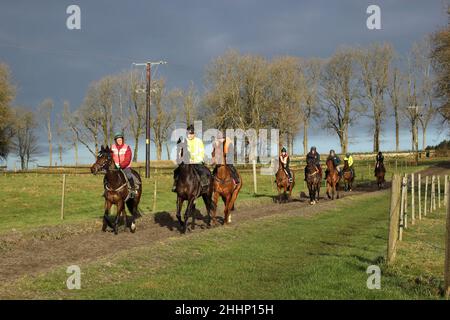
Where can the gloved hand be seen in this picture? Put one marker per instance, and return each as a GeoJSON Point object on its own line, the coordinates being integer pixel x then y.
{"type": "Point", "coordinates": [117, 166]}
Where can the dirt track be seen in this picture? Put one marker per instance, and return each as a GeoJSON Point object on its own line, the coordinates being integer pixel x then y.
{"type": "Point", "coordinates": [59, 247]}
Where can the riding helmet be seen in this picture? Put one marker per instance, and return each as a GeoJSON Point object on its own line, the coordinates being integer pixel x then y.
{"type": "Point", "coordinates": [118, 135]}
{"type": "Point", "coordinates": [283, 149]}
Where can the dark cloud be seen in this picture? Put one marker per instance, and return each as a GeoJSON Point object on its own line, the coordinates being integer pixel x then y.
{"type": "Point", "coordinates": [48, 60]}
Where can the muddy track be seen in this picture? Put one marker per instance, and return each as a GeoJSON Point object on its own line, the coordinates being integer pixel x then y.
{"type": "Point", "coordinates": [32, 255]}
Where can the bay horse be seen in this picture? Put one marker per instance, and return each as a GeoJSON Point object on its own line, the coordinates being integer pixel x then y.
{"type": "Point", "coordinates": [348, 177]}
{"type": "Point", "coordinates": [313, 179]}
{"type": "Point", "coordinates": [380, 172]}
{"type": "Point", "coordinates": [116, 191]}
{"type": "Point", "coordinates": [282, 181]}
{"type": "Point", "coordinates": [189, 188]}
{"type": "Point", "coordinates": [225, 187]}
{"type": "Point", "coordinates": [333, 179]}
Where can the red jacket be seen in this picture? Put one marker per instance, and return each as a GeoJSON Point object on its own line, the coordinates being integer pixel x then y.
{"type": "Point", "coordinates": [121, 155]}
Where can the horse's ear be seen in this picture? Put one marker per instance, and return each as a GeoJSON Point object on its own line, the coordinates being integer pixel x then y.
{"type": "Point", "coordinates": [107, 148]}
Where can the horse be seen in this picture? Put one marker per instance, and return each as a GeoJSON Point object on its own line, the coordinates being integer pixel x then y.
{"type": "Point", "coordinates": [313, 178]}
{"type": "Point", "coordinates": [332, 180]}
{"type": "Point", "coordinates": [116, 191]}
{"type": "Point", "coordinates": [224, 187]}
{"type": "Point", "coordinates": [380, 172]}
{"type": "Point", "coordinates": [348, 177]}
{"type": "Point", "coordinates": [189, 188]}
{"type": "Point", "coordinates": [282, 181]}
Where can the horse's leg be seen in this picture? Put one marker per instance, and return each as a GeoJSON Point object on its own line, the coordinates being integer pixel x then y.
{"type": "Point", "coordinates": [318, 191]}
{"type": "Point", "coordinates": [226, 211]}
{"type": "Point", "coordinates": [179, 206]}
{"type": "Point", "coordinates": [215, 199]}
{"type": "Point", "coordinates": [187, 212]}
{"type": "Point", "coordinates": [119, 211]}
{"type": "Point", "coordinates": [106, 221]}
{"type": "Point", "coordinates": [232, 201]}
{"type": "Point", "coordinates": [328, 189]}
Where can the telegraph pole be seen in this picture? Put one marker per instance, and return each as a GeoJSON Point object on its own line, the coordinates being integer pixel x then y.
{"type": "Point", "coordinates": [148, 67]}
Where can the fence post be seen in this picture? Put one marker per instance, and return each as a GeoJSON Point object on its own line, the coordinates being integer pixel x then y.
{"type": "Point", "coordinates": [402, 209]}
{"type": "Point", "coordinates": [433, 195]}
{"type": "Point", "coordinates": [406, 193]}
{"type": "Point", "coordinates": [445, 190]}
{"type": "Point", "coordinates": [447, 252]}
{"type": "Point", "coordinates": [420, 200]}
{"type": "Point", "coordinates": [393, 218]}
{"type": "Point", "coordinates": [425, 197]}
{"type": "Point", "coordinates": [439, 190]}
{"type": "Point", "coordinates": [413, 214]}
{"type": "Point", "coordinates": [155, 190]}
{"type": "Point", "coordinates": [255, 186]}
{"type": "Point", "coordinates": [63, 195]}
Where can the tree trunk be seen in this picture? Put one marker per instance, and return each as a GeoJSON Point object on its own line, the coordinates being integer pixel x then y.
{"type": "Point", "coordinates": [376, 136]}
{"type": "Point", "coordinates": [76, 153]}
{"type": "Point", "coordinates": [136, 149]}
{"type": "Point", "coordinates": [50, 151]}
{"type": "Point", "coordinates": [305, 136]}
{"type": "Point", "coordinates": [158, 150]}
{"type": "Point", "coordinates": [424, 134]}
{"type": "Point", "coordinates": [168, 151]}
{"type": "Point", "coordinates": [397, 131]}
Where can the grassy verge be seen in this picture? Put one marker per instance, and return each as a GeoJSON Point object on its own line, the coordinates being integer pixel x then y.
{"type": "Point", "coordinates": [285, 257]}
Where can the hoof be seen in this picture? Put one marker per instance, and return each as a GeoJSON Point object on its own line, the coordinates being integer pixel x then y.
{"type": "Point", "coordinates": [133, 228]}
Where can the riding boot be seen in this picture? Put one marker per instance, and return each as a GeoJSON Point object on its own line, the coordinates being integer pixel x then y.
{"type": "Point", "coordinates": [132, 188]}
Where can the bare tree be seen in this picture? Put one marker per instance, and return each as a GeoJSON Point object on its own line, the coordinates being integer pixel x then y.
{"type": "Point", "coordinates": [70, 121]}
{"type": "Point", "coordinates": [45, 111]}
{"type": "Point", "coordinates": [395, 90]}
{"type": "Point", "coordinates": [7, 93]}
{"type": "Point", "coordinates": [25, 140]}
{"type": "Point", "coordinates": [374, 63]}
{"type": "Point", "coordinates": [440, 55]}
{"type": "Point", "coordinates": [190, 104]}
{"type": "Point", "coordinates": [311, 72]}
{"type": "Point", "coordinates": [339, 89]}
{"type": "Point", "coordinates": [163, 116]}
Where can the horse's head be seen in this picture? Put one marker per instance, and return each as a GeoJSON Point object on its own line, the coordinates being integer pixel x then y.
{"type": "Point", "coordinates": [103, 161]}
{"type": "Point", "coordinates": [182, 151]}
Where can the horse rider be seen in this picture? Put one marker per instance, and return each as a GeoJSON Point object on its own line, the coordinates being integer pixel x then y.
{"type": "Point", "coordinates": [379, 159]}
{"type": "Point", "coordinates": [349, 159]}
{"type": "Point", "coordinates": [285, 160]}
{"type": "Point", "coordinates": [196, 150]}
{"type": "Point", "coordinates": [336, 161]}
{"type": "Point", "coordinates": [227, 148]}
{"type": "Point", "coordinates": [313, 157]}
{"type": "Point", "coordinates": [122, 155]}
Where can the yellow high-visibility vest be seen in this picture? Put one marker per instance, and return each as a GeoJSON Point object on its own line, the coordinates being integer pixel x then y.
{"type": "Point", "coordinates": [350, 160]}
{"type": "Point", "coordinates": [196, 150]}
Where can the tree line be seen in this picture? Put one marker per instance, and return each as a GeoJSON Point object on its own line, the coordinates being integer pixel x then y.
{"type": "Point", "coordinates": [248, 91]}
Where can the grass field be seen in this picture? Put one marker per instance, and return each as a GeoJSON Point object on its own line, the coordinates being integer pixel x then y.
{"type": "Point", "coordinates": [285, 257]}
{"type": "Point", "coordinates": [34, 200]}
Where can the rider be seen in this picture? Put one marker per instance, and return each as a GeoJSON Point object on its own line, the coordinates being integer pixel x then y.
{"type": "Point", "coordinates": [337, 162]}
{"type": "Point", "coordinates": [228, 151]}
{"type": "Point", "coordinates": [314, 157]}
{"type": "Point", "coordinates": [380, 159]}
{"type": "Point", "coordinates": [196, 150]}
{"type": "Point", "coordinates": [349, 159]}
{"type": "Point", "coordinates": [121, 154]}
{"type": "Point", "coordinates": [285, 160]}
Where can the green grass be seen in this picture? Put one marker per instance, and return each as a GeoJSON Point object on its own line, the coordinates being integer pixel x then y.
{"type": "Point", "coordinates": [284, 257]}
{"type": "Point", "coordinates": [34, 200]}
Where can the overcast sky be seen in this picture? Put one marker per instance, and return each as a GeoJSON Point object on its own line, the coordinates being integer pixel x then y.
{"type": "Point", "coordinates": [48, 60]}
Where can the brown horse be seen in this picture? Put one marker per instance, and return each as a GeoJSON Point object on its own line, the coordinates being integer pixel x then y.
{"type": "Point", "coordinates": [380, 172]}
{"type": "Point", "coordinates": [348, 177]}
{"type": "Point", "coordinates": [116, 191]}
{"type": "Point", "coordinates": [332, 180]}
{"type": "Point", "coordinates": [313, 179]}
{"type": "Point", "coordinates": [282, 181]}
{"type": "Point", "coordinates": [225, 187]}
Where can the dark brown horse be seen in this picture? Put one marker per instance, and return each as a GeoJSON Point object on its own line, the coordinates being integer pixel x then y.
{"type": "Point", "coordinates": [380, 172]}
{"type": "Point", "coordinates": [116, 191]}
{"type": "Point", "coordinates": [332, 180]}
{"type": "Point", "coordinates": [225, 187]}
{"type": "Point", "coordinates": [348, 177]}
{"type": "Point", "coordinates": [313, 179]}
{"type": "Point", "coordinates": [189, 188]}
{"type": "Point", "coordinates": [282, 181]}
